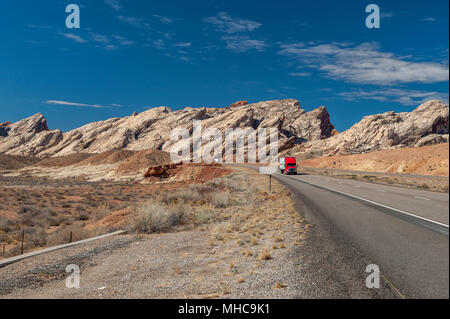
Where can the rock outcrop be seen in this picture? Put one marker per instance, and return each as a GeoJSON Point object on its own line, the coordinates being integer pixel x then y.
{"type": "Point", "coordinates": [309, 133]}
{"type": "Point", "coordinates": [239, 103]}
{"type": "Point", "coordinates": [28, 137]}
{"type": "Point", "coordinates": [426, 125]}
{"type": "Point", "coordinates": [152, 129]}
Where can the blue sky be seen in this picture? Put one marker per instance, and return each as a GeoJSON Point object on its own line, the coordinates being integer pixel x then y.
{"type": "Point", "coordinates": [130, 55]}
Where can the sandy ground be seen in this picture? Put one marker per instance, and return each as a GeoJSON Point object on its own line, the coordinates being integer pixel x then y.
{"type": "Point", "coordinates": [427, 160]}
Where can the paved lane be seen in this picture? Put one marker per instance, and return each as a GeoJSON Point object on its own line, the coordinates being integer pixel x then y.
{"type": "Point", "coordinates": [413, 258]}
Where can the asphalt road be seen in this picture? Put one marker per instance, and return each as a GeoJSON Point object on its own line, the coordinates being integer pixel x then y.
{"type": "Point", "coordinates": [403, 231]}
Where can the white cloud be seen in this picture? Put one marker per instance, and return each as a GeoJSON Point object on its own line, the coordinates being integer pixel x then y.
{"type": "Point", "coordinates": [114, 4]}
{"type": "Point", "coordinates": [133, 21]}
{"type": "Point", "coordinates": [183, 44]}
{"type": "Point", "coordinates": [225, 23]}
{"type": "Point", "coordinates": [363, 64]}
{"type": "Point", "coordinates": [162, 19]}
{"type": "Point", "coordinates": [100, 38]}
{"type": "Point", "coordinates": [160, 44]}
{"type": "Point", "coordinates": [387, 15]}
{"type": "Point", "coordinates": [122, 40]}
{"type": "Point", "coordinates": [65, 103]}
{"type": "Point", "coordinates": [428, 19]}
{"type": "Point", "coordinates": [34, 26]}
{"type": "Point", "coordinates": [402, 96]}
{"type": "Point", "coordinates": [74, 37]}
{"type": "Point", "coordinates": [301, 74]}
{"type": "Point", "coordinates": [242, 44]}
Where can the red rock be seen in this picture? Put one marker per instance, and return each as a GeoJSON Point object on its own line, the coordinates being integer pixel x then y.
{"type": "Point", "coordinates": [239, 103]}
{"type": "Point", "coordinates": [5, 124]}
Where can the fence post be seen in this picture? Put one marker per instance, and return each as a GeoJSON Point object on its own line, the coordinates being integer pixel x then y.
{"type": "Point", "coordinates": [70, 239]}
{"type": "Point", "coordinates": [23, 236]}
{"type": "Point", "coordinates": [3, 253]}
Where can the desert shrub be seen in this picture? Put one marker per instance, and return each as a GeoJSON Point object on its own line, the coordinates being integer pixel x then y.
{"type": "Point", "coordinates": [32, 216]}
{"type": "Point", "coordinates": [3, 237]}
{"type": "Point", "coordinates": [220, 200]}
{"type": "Point", "coordinates": [6, 225]}
{"type": "Point", "coordinates": [26, 209]}
{"type": "Point", "coordinates": [235, 182]}
{"type": "Point", "coordinates": [83, 216]}
{"type": "Point", "coordinates": [182, 195]}
{"type": "Point", "coordinates": [13, 251]}
{"type": "Point", "coordinates": [154, 217]}
{"type": "Point", "coordinates": [35, 237]}
{"type": "Point", "coordinates": [203, 215]}
{"type": "Point", "coordinates": [216, 183]}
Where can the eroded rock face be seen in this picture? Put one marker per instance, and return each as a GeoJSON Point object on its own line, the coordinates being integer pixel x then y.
{"type": "Point", "coordinates": [28, 137]}
{"type": "Point", "coordinates": [151, 129]}
{"type": "Point", "coordinates": [426, 125]}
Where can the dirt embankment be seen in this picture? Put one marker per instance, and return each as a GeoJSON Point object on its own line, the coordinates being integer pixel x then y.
{"type": "Point", "coordinates": [143, 160]}
{"type": "Point", "coordinates": [427, 160]}
{"type": "Point", "coordinates": [8, 162]}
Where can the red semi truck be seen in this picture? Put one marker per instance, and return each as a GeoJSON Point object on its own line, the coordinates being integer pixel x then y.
{"type": "Point", "coordinates": [288, 165]}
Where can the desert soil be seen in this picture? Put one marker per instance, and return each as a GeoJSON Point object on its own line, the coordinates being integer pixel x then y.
{"type": "Point", "coordinates": [426, 160]}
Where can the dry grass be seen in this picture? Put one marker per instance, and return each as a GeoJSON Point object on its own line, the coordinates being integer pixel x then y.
{"type": "Point", "coordinates": [264, 254]}
{"type": "Point", "coordinates": [154, 217]}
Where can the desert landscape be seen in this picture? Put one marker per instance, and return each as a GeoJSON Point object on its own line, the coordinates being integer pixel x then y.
{"type": "Point", "coordinates": [217, 218]}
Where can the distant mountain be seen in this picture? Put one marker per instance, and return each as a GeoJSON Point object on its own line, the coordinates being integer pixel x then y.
{"type": "Point", "coordinates": [310, 133]}
{"type": "Point", "coordinates": [426, 125]}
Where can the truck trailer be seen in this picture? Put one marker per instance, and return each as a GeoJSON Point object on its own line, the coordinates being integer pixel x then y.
{"type": "Point", "coordinates": [288, 165]}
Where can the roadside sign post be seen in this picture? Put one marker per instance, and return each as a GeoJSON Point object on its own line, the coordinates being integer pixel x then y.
{"type": "Point", "coordinates": [268, 170]}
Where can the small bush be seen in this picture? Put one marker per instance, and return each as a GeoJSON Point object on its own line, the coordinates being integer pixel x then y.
{"type": "Point", "coordinates": [186, 195]}
{"type": "Point", "coordinates": [203, 215]}
{"type": "Point", "coordinates": [264, 254]}
{"type": "Point", "coordinates": [6, 225]}
{"type": "Point", "coordinates": [153, 217]}
{"type": "Point", "coordinates": [35, 237]}
{"type": "Point", "coordinates": [220, 200]}
{"type": "Point", "coordinates": [83, 216]}
{"type": "Point", "coordinates": [235, 182]}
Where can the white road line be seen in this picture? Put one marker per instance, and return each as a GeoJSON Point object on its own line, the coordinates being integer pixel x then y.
{"type": "Point", "coordinates": [382, 190]}
{"type": "Point", "coordinates": [381, 205]}
{"type": "Point", "coordinates": [423, 198]}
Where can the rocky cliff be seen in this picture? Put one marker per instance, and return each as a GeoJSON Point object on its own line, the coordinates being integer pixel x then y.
{"type": "Point", "coordinates": [309, 133]}
{"type": "Point", "coordinates": [151, 129]}
{"type": "Point", "coordinates": [428, 124]}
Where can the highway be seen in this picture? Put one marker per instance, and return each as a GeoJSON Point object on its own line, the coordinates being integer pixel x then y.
{"type": "Point", "coordinates": [403, 231]}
